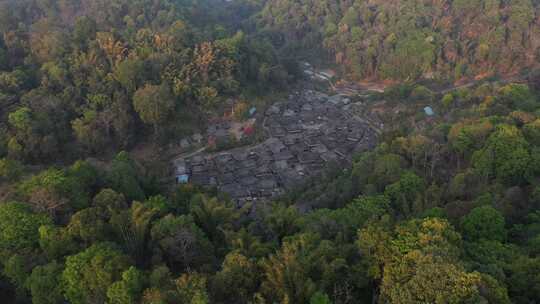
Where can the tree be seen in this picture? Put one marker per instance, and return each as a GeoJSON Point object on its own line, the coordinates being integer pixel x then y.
{"type": "Point", "coordinates": [130, 73]}
{"type": "Point", "coordinates": [10, 170]}
{"type": "Point", "coordinates": [237, 280]}
{"type": "Point", "coordinates": [21, 119]}
{"type": "Point", "coordinates": [41, 128]}
{"type": "Point", "coordinates": [17, 269]}
{"type": "Point", "coordinates": [214, 217]}
{"type": "Point", "coordinates": [181, 243]}
{"type": "Point", "coordinates": [56, 242]}
{"type": "Point", "coordinates": [84, 30]}
{"type": "Point", "coordinates": [59, 192]}
{"type": "Point", "coordinates": [89, 226]}
{"type": "Point", "coordinates": [161, 286]}
{"type": "Point", "coordinates": [505, 156]}
{"type": "Point", "coordinates": [159, 203]}
{"type": "Point", "coordinates": [132, 228]}
{"type": "Point", "coordinates": [407, 260]}
{"type": "Point", "coordinates": [122, 177]}
{"type": "Point", "coordinates": [532, 132]}
{"type": "Point", "coordinates": [109, 201]}
{"type": "Point", "coordinates": [88, 274]}
{"type": "Point", "coordinates": [343, 224]}
{"type": "Point", "coordinates": [320, 298]}
{"type": "Point", "coordinates": [191, 289]}
{"type": "Point", "coordinates": [154, 104]}
{"type": "Point", "coordinates": [287, 273]}
{"type": "Point", "coordinates": [484, 223]}
{"type": "Point", "coordinates": [387, 169]}
{"type": "Point", "coordinates": [418, 277]}
{"type": "Point", "coordinates": [19, 227]}
{"type": "Point", "coordinates": [88, 131]}
{"type": "Point", "coordinates": [524, 283]}
{"type": "Point", "coordinates": [281, 220]}
{"type": "Point", "coordinates": [45, 284]}
{"type": "Point", "coordinates": [129, 289]}
{"type": "Point", "coordinates": [518, 97]}
{"type": "Point", "coordinates": [406, 194]}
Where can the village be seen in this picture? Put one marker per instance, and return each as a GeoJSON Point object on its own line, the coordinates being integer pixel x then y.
{"type": "Point", "coordinates": [304, 134]}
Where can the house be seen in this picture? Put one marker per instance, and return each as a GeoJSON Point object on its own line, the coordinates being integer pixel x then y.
{"type": "Point", "coordinates": [429, 111]}
{"type": "Point", "coordinates": [182, 179]}
{"type": "Point", "coordinates": [305, 134]}
{"type": "Point", "coordinates": [252, 111]}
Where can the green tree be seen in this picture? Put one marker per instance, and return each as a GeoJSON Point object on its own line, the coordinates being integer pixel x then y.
{"type": "Point", "coordinates": [387, 169]}
{"type": "Point", "coordinates": [287, 272]}
{"type": "Point", "coordinates": [154, 104]}
{"type": "Point", "coordinates": [320, 298]}
{"type": "Point", "coordinates": [532, 132]}
{"type": "Point", "coordinates": [447, 100]}
{"type": "Point", "coordinates": [215, 217]}
{"type": "Point", "coordinates": [123, 177]}
{"type": "Point", "coordinates": [129, 289]}
{"type": "Point", "coordinates": [88, 226]}
{"type": "Point", "coordinates": [10, 170]}
{"type": "Point", "coordinates": [109, 201]}
{"type": "Point", "coordinates": [484, 223]}
{"type": "Point", "coordinates": [408, 258]}
{"type": "Point", "coordinates": [21, 119]}
{"type": "Point", "coordinates": [57, 192]}
{"type": "Point", "coordinates": [282, 220]}
{"type": "Point", "coordinates": [524, 283]}
{"type": "Point", "coordinates": [88, 131]}
{"type": "Point", "coordinates": [505, 156]}
{"type": "Point", "coordinates": [88, 274]}
{"type": "Point", "coordinates": [56, 242]}
{"type": "Point", "coordinates": [181, 242]}
{"type": "Point", "coordinates": [191, 289]}
{"type": "Point", "coordinates": [132, 228]}
{"type": "Point", "coordinates": [129, 73]}
{"type": "Point", "coordinates": [237, 280]}
{"type": "Point", "coordinates": [407, 194]}
{"type": "Point", "coordinates": [19, 227]}
{"type": "Point", "coordinates": [417, 277]}
{"type": "Point", "coordinates": [84, 30]}
{"type": "Point", "coordinates": [45, 284]}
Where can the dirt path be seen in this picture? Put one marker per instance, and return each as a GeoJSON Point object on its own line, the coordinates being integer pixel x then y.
{"type": "Point", "coordinates": [517, 78]}
{"type": "Point", "coordinates": [190, 154]}
{"type": "Point", "coordinates": [357, 88]}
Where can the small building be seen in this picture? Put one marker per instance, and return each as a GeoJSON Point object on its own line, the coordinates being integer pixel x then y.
{"type": "Point", "coordinates": [182, 179]}
{"type": "Point", "coordinates": [429, 111]}
{"type": "Point", "coordinates": [252, 111]}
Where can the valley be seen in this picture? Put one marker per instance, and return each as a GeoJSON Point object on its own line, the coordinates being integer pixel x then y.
{"type": "Point", "coordinates": [269, 151]}
{"type": "Point", "coordinates": [304, 134]}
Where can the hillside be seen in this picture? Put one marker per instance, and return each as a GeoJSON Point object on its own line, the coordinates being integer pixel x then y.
{"type": "Point", "coordinates": [409, 39]}
{"type": "Point", "coordinates": [84, 78]}
{"type": "Point", "coordinates": [407, 190]}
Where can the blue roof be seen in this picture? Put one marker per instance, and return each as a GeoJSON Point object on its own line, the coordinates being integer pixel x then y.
{"type": "Point", "coordinates": [429, 111]}
{"type": "Point", "coordinates": [182, 178]}
{"type": "Point", "coordinates": [252, 111]}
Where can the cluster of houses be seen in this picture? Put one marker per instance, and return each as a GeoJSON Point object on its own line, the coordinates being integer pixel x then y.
{"type": "Point", "coordinates": [305, 134]}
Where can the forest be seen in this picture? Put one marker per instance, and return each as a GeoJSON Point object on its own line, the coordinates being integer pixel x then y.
{"type": "Point", "coordinates": [446, 209]}
{"type": "Point", "coordinates": [409, 39]}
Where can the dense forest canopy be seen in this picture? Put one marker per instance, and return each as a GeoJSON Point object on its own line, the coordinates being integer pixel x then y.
{"type": "Point", "coordinates": [408, 39]}
{"type": "Point", "coordinates": [78, 76]}
{"type": "Point", "coordinates": [446, 208]}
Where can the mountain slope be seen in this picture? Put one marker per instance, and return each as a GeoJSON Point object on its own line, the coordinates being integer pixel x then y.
{"type": "Point", "coordinates": [408, 39]}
